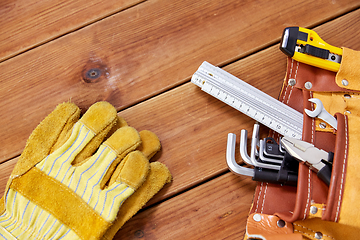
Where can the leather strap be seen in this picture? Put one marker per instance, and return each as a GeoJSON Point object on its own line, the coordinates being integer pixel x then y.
{"type": "Point", "coordinates": [269, 227]}
{"type": "Point", "coordinates": [332, 206]}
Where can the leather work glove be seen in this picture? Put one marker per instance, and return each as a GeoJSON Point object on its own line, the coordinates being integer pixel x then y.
{"type": "Point", "coordinates": [71, 184]}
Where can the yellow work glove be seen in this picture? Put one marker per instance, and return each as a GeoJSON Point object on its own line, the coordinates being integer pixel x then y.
{"type": "Point", "coordinates": [66, 186]}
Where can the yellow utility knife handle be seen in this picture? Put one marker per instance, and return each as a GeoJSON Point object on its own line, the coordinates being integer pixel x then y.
{"type": "Point", "coordinates": [305, 45]}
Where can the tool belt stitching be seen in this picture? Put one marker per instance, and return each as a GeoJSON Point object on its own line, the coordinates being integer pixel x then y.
{"type": "Point", "coordinates": [308, 195]}
{"type": "Point", "coordinates": [262, 207]}
{"type": "Point", "coordinates": [258, 199]}
{"type": "Point", "coordinates": [308, 229]}
{"type": "Point", "coordinates": [313, 127]}
{"type": "Point", "coordinates": [342, 172]}
{"type": "Point", "coordinates": [285, 99]}
{"type": "Point", "coordinates": [287, 87]}
{"type": "Point", "coordinates": [309, 180]}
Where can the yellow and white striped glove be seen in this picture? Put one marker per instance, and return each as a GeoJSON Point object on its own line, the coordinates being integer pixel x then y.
{"type": "Point", "coordinates": [66, 186]}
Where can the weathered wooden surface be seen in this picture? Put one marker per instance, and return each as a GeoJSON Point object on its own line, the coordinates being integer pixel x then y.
{"type": "Point", "coordinates": [147, 54]}
{"type": "Point", "coordinates": [141, 52]}
{"type": "Point", "coordinates": [27, 24]}
{"type": "Point", "coordinates": [214, 210]}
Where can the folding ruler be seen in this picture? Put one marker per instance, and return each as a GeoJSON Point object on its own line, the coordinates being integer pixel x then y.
{"type": "Point", "coordinates": [249, 100]}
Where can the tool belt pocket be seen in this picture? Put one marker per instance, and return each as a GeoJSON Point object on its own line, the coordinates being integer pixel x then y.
{"type": "Point", "coordinates": [313, 198]}
{"type": "Point", "coordinates": [312, 206]}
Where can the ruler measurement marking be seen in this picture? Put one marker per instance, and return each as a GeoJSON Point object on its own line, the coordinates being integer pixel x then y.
{"type": "Point", "coordinates": [245, 100]}
{"type": "Point", "coordinates": [249, 100]}
{"type": "Point", "coordinates": [255, 101]}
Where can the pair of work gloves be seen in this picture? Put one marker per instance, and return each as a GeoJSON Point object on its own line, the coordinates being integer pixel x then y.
{"type": "Point", "coordinates": [80, 179]}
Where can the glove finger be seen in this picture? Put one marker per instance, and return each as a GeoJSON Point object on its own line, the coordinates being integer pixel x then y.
{"type": "Point", "coordinates": [46, 136]}
{"type": "Point", "coordinates": [97, 118]}
{"type": "Point", "coordinates": [94, 144]}
{"type": "Point", "coordinates": [114, 149]}
{"type": "Point", "coordinates": [158, 176]}
{"type": "Point", "coordinates": [150, 144]}
{"type": "Point", "coordinates": [120, 122]}
{"type": "Point", "coordinates": [135, 168]}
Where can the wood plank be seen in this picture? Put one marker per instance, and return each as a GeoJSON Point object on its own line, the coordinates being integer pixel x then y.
{"type": "Point", "coordinates": [196, 214]}
{"type": "Point", "coordinates": [193, 126]}
{"type": "Point", "coordinates": [141, 52]}
{"type": "Point", "coordinates": [195, 118]}
{"type": "Point", "coordinates": [194, 131]}
{"type": "Point", "coordinates": [215, 210]}
{"type": "Point", "coordinates": [28, 24]}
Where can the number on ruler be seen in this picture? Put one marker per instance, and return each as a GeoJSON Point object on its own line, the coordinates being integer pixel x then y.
{"type": "Point", "coordinates": [221, 93]}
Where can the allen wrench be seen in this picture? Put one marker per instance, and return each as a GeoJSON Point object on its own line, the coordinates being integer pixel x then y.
{"type": "Point", "coordinates": [230, 153]}
{"type": "Point", "coordinates": [253, 151]}
{"type": "Point", "coordinates": [269, 151]}
{"type": "Point", "coordinates": [257, 173]}
{"type": "Point", "coordinates": [230, 158]}
{"type": "Point", "coordinates": [264, 158]}
{"type": "Point", "coordinates": [243, 147]}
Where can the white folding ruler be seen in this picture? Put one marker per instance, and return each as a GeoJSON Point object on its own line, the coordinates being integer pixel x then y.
{"type": "Point", "coordinates": [249, 100]}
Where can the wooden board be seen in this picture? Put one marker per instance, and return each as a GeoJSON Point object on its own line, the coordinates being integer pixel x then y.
{"type": "Point", "coordinates": [196, 214]}
{"type": "Point", "coordinates": [147, 54]}
{"type": "Point", "coordinates": [214, 210]}
{"type": "Point", "coordinates": [194, 132]}
{"type": "Point", "coordinates": [141, 52]}
{"type": "Point", "coordinates": [27, 24]}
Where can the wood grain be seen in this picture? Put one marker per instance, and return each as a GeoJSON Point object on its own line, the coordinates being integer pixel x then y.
{"type": "Point", "coordinates": [146, 55]}
{"type": "Point", "coordinates": [141, 52]}
{"type": "Point", "coordinates": [193, 125]}
{"type": "Point", "coordinates": [27, 24]}
{"type": "Point", "coordinates": [215, 210]}
{"type": "Point", "coordinates": [194, 132]}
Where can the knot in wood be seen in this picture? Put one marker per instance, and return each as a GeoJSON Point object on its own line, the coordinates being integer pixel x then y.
{"type": "Point", "coordinates": [139, 234]}
{"type": "Point", "coordinates": [94, 72]}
